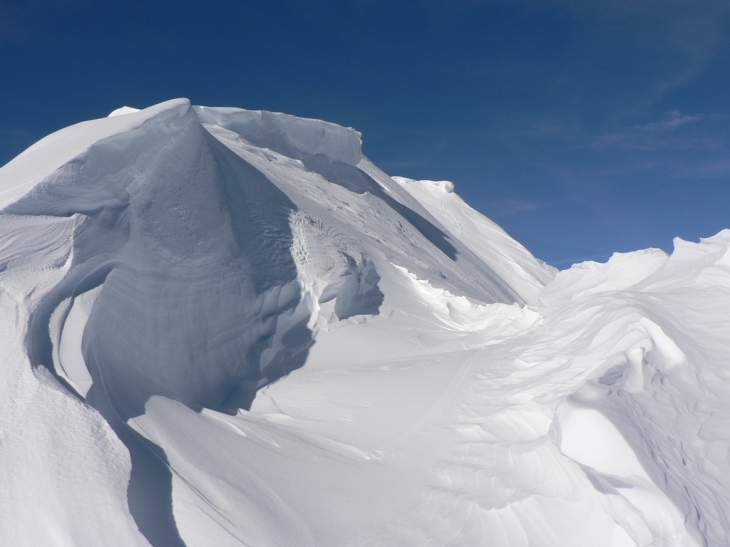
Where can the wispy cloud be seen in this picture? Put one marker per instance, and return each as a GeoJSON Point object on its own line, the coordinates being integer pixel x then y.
{"type": "Point", "coordinates": [674, 131]}
{"type": "Point", "coordinates": [638, 50]}
{"type": "Point", "coordinates": [536, 127]}
{"type": "Point", "coordinates": [694, 170]}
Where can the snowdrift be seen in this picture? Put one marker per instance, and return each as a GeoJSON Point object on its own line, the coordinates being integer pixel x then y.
{"type": "Point", "coordinates": [228, 327]}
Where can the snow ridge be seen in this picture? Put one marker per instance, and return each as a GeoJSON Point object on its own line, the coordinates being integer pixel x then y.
{"type": "Point", "coordinates": [229, 327]}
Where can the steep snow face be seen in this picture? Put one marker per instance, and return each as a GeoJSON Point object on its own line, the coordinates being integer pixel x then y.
{"type": "Point", "coordinates": [160, 269]}
{"type": "Point", "coordinates": [510, 260]}
{"type": "Point", "coordinates": [192, 245]}
{"type": "Point", "coordinates": [288, 135]}
{"type": "Point", "coordinates": [50, 153]}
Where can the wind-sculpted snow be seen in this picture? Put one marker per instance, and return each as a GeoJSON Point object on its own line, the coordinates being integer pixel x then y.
{"type": "Point", "coordinates": [199, 300]}
{"type": "Point", "coordinates": [288, 135]}
{"type": "Point", "coordinates": [510, 260]}
{"type": "Point", "coordinates": [228, 327]}
{"type": "Point", "coordinates": [357, 293]}
{"type": "Point", "coordinates": [308, 158]}
{"type": "Point", "coordinates": [192, 246]}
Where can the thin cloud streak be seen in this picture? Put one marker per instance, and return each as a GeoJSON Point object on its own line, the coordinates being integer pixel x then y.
{"type": "Point", "coordinates": [676, 131]}
{"type": "Point", "coordinates": [661, 45]}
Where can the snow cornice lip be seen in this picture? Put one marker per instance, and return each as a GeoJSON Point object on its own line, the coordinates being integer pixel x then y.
{"type": "Point", "coordinates": [40, 160]}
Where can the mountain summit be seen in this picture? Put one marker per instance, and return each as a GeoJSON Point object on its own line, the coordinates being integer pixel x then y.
{"type": "Point", "coordinates": [229, 327]}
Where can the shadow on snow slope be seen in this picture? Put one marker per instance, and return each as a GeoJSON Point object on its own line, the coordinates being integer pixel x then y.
{"type": "Point", "coordinates": [200, 301]}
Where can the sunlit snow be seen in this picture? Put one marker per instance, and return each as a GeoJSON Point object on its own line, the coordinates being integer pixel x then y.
{"type": "Point", "coordinates": [222, 327]}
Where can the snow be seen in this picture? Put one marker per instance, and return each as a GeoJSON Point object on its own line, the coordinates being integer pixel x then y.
{"type": "Point", "coordinates": [39, 161]}
{"type": "Point", "coordinates": [122, 111]}
{"type": "Point", "coordinates": [487, 240]}
{"type": "Point", "coordinates": [229, 327]}
{"type": "Point", "coordinates": [66, 327]}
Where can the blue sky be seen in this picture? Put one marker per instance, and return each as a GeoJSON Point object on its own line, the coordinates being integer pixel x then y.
{"type": "Point", "coordinates": [583, 127]}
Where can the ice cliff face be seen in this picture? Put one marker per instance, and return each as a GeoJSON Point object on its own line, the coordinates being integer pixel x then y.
{"type": "Point", "coordinates": [161, 269]}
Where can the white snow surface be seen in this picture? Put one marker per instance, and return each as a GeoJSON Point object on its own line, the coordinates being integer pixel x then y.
{"type": "Point", "coordinates": [222, 327]}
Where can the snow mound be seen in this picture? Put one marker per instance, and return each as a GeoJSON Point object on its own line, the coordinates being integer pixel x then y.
{"type": "Point", "coordinates": [229, 327]}
{"type": "Point", "coordinates": [122, 111]}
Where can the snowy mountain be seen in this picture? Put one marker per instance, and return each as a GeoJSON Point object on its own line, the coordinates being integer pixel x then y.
{"type": "Point", "coordinates": [223, 327]}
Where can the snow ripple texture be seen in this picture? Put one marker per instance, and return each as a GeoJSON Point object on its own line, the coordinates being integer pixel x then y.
{"type": "Point", "coordinates": [223, 327]}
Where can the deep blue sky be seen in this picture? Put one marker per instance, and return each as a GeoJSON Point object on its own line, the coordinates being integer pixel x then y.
{"type": "Point", "coordinates": [583, 127]}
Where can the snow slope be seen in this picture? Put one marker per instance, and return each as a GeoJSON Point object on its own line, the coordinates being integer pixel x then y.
{"type": "Point", "coordinates": [228, 327]}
